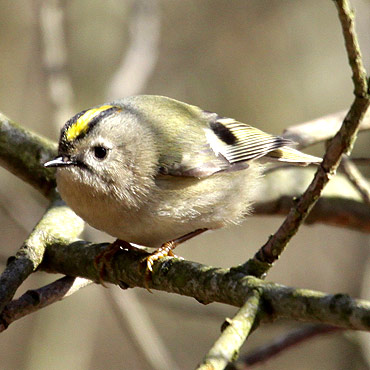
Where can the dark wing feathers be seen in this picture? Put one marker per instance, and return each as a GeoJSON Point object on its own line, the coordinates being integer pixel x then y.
{"type": "Point", "coordinates": [250, 142]}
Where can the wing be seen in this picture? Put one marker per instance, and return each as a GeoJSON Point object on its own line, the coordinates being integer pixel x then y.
{"type": "Point", "coordinates": [239, 142]}
{"type": "Point", "coordinates": [226, 145]}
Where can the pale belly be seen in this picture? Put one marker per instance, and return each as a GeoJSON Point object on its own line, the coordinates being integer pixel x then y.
{"type": "Point", "coordinates": [174, 208]}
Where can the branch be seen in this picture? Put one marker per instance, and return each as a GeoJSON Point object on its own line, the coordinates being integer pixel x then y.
{"type": "Point", "coordinates": [209, 284]}
{"type": "Point", "coordinates": [58, 224]}
{"type": "Point", "coordinates": [34, 300]}
{"type": "Point", "coordinates": [23, 153]}
{"type": "Point", "coordinates": [347, 20]}
{"type": "Point", "coordinates": [361, 161]}
{"type": "Point", "coordinates": [234, 333]}
{"type": "Point", "coordinates": [331, 211]}
{"type": "Point", "coordinates": [320, 129]}
{"type": "Point", "coordinates": [340, 144]}
{"type": "Point", "coordinates": [340, 205]}
{"type": "Point", "coordinates": [282, 343]}
{"type": "Point", "coordinates": [356, 178]}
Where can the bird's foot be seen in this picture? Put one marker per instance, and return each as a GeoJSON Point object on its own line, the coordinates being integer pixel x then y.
{"type": "Point", "coordinates": [103, 261]}
{"type": "Point", "coordinates": [164, 251]}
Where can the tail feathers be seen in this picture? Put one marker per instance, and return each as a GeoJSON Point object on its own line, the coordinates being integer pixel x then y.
{"type": "Point", "coordinates": [294, 156]}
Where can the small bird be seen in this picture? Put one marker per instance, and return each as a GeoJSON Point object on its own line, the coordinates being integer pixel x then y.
{"type": "Point", "coordinates": [155, 171]}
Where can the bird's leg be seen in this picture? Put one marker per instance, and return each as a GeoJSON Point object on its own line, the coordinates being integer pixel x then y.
{"type": "Point", "coordinates": [103, 261]}
{"type": "Point", "coordinates": [167, 248]}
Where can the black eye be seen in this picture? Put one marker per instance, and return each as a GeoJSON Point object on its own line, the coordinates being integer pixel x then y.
{"type": "Point", "coordinates": [100, 152]}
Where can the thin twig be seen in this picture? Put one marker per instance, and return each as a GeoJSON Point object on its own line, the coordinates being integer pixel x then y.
{"type": "Point", "coordinates": [34, 300]}
{"type": "Point", "coordinates": [341, 144]}
{"type": "Point", "coordinates": [320, 129]}
{"type": "Point", "coordinates": [340, 204]}
{"type": "Point", "coordinates": [356, 178]}
{"type": "Point", "coordinates": [361, 161]}
{"type": "Point", "coordinates": [236, 330]}
{"type": "Point", "coordinates": [282, 343]}
{"type": "Point", "coordinates": [331, 210]}
{"type": "Point", "coordinates": [347, 20]}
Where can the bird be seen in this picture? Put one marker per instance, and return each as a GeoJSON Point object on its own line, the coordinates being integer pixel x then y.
{"type": "Point", "coordinates": [154, 171]}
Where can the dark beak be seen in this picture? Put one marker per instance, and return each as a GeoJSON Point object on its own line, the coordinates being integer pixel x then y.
{"type": "Point", "coordinates": [59, 162]}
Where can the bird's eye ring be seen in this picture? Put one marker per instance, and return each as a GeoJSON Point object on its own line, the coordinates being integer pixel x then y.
{"type": "Point", "coordinates": [100, 152]}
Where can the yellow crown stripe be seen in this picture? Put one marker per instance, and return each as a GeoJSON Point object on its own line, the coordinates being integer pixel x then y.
{"type": "Point", "coordinates": [82, 124]}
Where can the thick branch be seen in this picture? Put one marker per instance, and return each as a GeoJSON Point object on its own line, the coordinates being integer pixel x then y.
{"type": "Point", "coordinates": [23, 153]}
{"type": "Point", "coordinates": [209, 284]}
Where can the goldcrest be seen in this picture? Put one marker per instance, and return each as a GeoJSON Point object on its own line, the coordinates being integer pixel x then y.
{"type": "Point", "coordinates": [150, 169]}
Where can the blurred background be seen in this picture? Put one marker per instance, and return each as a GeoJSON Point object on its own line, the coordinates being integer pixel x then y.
{"type": "Point", "coordinates": [268, 63]}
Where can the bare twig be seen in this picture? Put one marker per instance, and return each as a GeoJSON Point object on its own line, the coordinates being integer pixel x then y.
{"type": "Point", "coordinates": [340, 204]}
{"type": "Point", "coordinates": [236, 330]}
{"type": "Point", "coordinates": [347, 20]}
{"type": "Point", "coordinates": [331, 210]}
{"type": "Point", "coordinates": [140, 59]}
{"type": "Point", "coordinates": [320, 129]}
{"type": "Point", "coordinates": [360, 161]}
{"type": "Point", "coordinates": [282, 343]}
{"type": "Point", "coordinates": [34, 300]}
{"type": "Point", "coordinates": [356, 178]}
{"type": "Point", "coordinates": [341, 144]}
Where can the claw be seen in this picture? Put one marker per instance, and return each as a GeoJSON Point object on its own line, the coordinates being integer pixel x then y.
{"type": "Point", "coordinates": [161, 252]}
{"type": "Point", "coordinates": [164, 251]}
{"type": "Point", "coordinates": [103, 261]}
